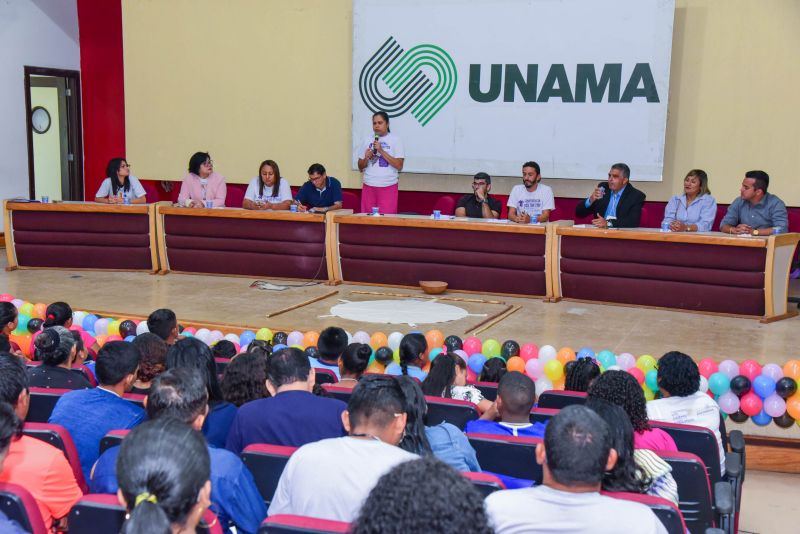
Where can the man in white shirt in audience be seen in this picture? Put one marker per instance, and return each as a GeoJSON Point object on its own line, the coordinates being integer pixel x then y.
{"type": "Point", "coordinates": [331, 478]}
{"type": "Point", "coordinates": [575, 454]}
{"type": "Point", "coordinates": [531, 201]}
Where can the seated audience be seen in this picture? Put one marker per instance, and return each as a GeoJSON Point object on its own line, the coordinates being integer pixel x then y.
{"type": "Point", "coordinates": [448, 378]}
{"type": "Point", "coordinates": [223, 349]}
{"type": "Point", "coordinates": [202, 184]}
{"type": "Point", "coordinates": [493, 370]}
{"type": "Point", "coordinates": [164, 324]}
{"type": "Point", "coordinates": [10, 428]}
{"type": "Point", "coordinates": [60, 314]}
{"type": "Point", "coordinates": [153, 351]}
{"type": "Point", "coordinates": [353, 364]}
{"type": "Point", "coordinates": [614, 203]}
{"type": "Point", "coordinates": [531, 201]}
{"type": "Point", "coordinates": [413, 357]}
{"type": "Point", "coordinates": [120, 186]}
{"type": "Point", "coordinates": [331, 344]}
{"type": "Point", "coordinates": [191, 352]}
{"type": "Point", "coordinates": [259, 346]}
{"type": "Point", "coordinates": [435, 499]}
{"type": "Point", "coordinates": [245, 379]}
{"type": "Point", "coordinates": [755, 211]}
{"type": "Point", "coordinates": [636, 470]}
{"type": "Point", "coordinates": [293, 416]}
{"type": "Point", "coordinates": [695, 209]}
{"type": "Point", "coordinates": [580, 374]}
{"type": "Point", "coordinates": [320, 193]}
{"type": "Point", "coordinates": [445, 441]}
{"type": "Point", "coordinates": [682, 401]}
{"type": "Point", "coordinates": [574, 457]}
{"type": "Point", "coordinates": [181, 394]}
{"type": "Point", "coordinates": [9, 319]}
{"type": "Point", "coordinates": [56, 349]}
{"type": "Point", "coordinates": [171, 490]}
{"type": "Point", "coordinates": [622, 389]}
{"type": "Point", "coordinates": [510, 413]}
{"type": "Point", "coordinates": [480, 204]}
{"type": "Point", "coordinates": [269, 190]}
{"type": "Point", "coordinates": [330, 479]}
{"type": "Point", "coordinates": [37, 466]}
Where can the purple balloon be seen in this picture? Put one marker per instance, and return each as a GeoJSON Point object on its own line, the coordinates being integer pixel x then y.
{"type": "Point", "coordinates": [534, 369]}
{"type": "Point", "coordinates": [773, 371]}
{"type": "Point", "coordinates": [728, 402]}
{"type": "Point", "coordinates": [774, 406]}
{"type": "Point", "coordinates": [729, 368]}
{"type": "Point", "coordinates": [294, 338]}
{"type": "Point", "coordinates": [626, 360]}
{"type": "Point", "coordinates": [462, 354]}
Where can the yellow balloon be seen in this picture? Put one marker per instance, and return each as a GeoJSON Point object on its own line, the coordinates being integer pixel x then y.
{"type": "Point", "coordinates": [396, 356]}
{"type": "Point", "coordinates": [648, 393]}
{"type": "Point", "coordinates": [554, 370]}
{"type": "Point", "coordinates": [113, 328]}
{"type": "Point", "coordinates": [264, 334]}
{"type": "Point", "coordinates": [646, 363]}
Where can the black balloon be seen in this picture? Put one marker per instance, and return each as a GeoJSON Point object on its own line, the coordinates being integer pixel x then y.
{"type": "Point", "coordinates": [453, 343]}
{"type": "Point", "coordinates": [738, 416]}
{"type": "Point", "coordinates": [384, 355]}
{"type": "Point", "coordinates": [509, 349]}
{"type": "Point", "coordinates": [740, 385]}
{"type": "Point", "coordinates": [34, 325]}
{"type": "Point", "coordinates": [785, 387]}
{"type": "Point", "coordinates": [312, 352]}
{"type": "Point", "coordinates": [784, 421]}
{"type": "Point", "coordinates": [279, 338]}
{"type": "Point", "coordinates": [127, 328]}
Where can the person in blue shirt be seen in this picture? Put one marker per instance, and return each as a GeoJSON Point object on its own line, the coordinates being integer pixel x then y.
{"type": "Point", "coordinates": [755, 212]}
{"type": "Point", "coordinates": [413, 357]}
{"type": "Point", "coordinates": [695, 210]}
{"type": "Point", "coordinates": [614, 203]}
{"type": "Point", "coordinates": [331, 345]}
{"type": "Point", "coordinates": [89, 414]}
{"type": "Point", "coordinates": [510, 413]}
{"type": "Point", "coordinates": [320, 193]}
{"type": "Point", "coordinates": [181, 393]}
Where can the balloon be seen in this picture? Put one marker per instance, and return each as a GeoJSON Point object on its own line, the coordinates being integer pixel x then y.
{"type": "Point", "coordinates": [39, 310]}
{"type": "Point", "coordinates": [534, 368]}
{"type": "Point", "coordinates": [393, 341]}
{"type": "Point", "coordinates": [763, 386]}
{"type": "Point", "coordinates": [774, 406]}
{"type": "Point", "coordinates": [22, 323]}
{"type": "Point", "coordinates": [127, 328]}
{"type": "Point", "coordinates": [761, 418]}
{"type": "Point", "coordinates": [784, 387]}
{"type": "Point", "coordinates": [472, 377]}
{"type": "Point", "coordinates": [729, 368]}
{"type": "Point", "coordinates": [491, 348]}
{"type": "Point", "coordinates": [719, 383]}
{"type": "Point", "coordinates": [793, 406]}
{"type": "Point", "coordinates": [605, 355]}
{"type": "Point", "coordinates": [461, 354]}
{"type": "Point", "coordinates": [130, 338]}
{"type": "Point", "coordinates": [434, 353]}
{"type": "Point", "coordinates": [435, 339]}
{"type": "Point", "coordinates": [559, 384]}
{"type": "Point", "coordinates": [738, 417]}
{"type": "Point", "coordinates": [542, 385]}
{"type": "Point", "coordinates": [396, 356]}
{"type": "Point", "coordinates": [311, 352]}
{"type": "Point", "coordinates": [100, 327]}
{"type": "Point", "coordinates": [704, 384]}
{"type": "Point", "coordinates": [648, 394]}
{"type": "Point", "coordinates": [453, 343]}
{"type": "Point", "coordinates": [358, 337]}
{"type": "Point", "coordinates": [740, 385]}
{"type": "Point", "coordinates": [751, 404]}
{"type": "Point", "coordinates": [377, 339]}
{"type": "Point", "coordinates": [5, 297]}
{"type": "Point", "coordinates": [101, 340]}
{"type": "Point", "coordinates": [637, 374]}
{"type": "Point", "coordinates": [26, 308]}
{"type": "Point", "coordinates": [77, 318]}
{"type": "Point", "coordinates": [784, 420]}
{"type": "Point", "coordinates": [626, 360]}
{"type": "Point", "coordinates": [585, 352]}
{"type": "Point", "coordinates": [646, 363]}
{"type": "Point", "coordinates": [651, 379]}
{"type": "Point", "coordinates": [141, 328]}
{"type": "Point", "coordinates": [528, 351]}
{"type": "Point", "coordinates": [188, 330]}
{"type": "Point", "coordinates": [279, 346]}
{"type": "Point", "coordinates": [750, 368]}
{"type": "Point", "coordinates": [707, 367]}
{"type": "Point", "coordinates": [515, 363]}
{"type": "Point", "coordinates": [277, 337]}
{"type": "Point", "coordinates": [23, 341]}
{"type": "Point", "coordinates": [773, 371]}
{"type": "Point", "coordinates": [476, 362]}
{"type": "Point", "coordinates": [792, 369]}
{"type": "Point", "coordinates": [472, 345]}
{"type": "Point", "coordinates": [35, 324]}
{"type": "Point", "coordinates": [246, 337]}
{"type": "Point", "coordinates": [509, 349]}
{"type": "Point", "coordinates": [203, 335]}
{"type": "Point", "coordinates": [113, 338]}
{"type": "Point", "coordinates": [375, 367]}
{"type": "Point", "coordinates": [614, 368]}
{"type": "Point", "coordinates": [296, 338]}
{"type": "Point", "coordinates": [17, 303]}
{"type": "Point", "coordinates": [113, 328]}
{"type": "Point", "coordinates": [233, 338]}
{"type": "Point", "coordinates": [215, 336]}
{"type": "Point", "coordinates": [265, 334]}
{"type": "Point", "coordinates": [383, 356]}
{"type": "Point", "coordinates": [310, 339]}
{"type": "Point", "coordinates": [565, 354]}
{"type": "Point", "coordinates": [728, 402]}
{"type": "Point", "coordinates": [547, 353]}
{"type": "Point", "coordinates": [553, 369]}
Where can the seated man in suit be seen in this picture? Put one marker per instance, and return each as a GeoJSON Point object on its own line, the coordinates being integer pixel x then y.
{"type": "Point", "coordinates": [615, 204]}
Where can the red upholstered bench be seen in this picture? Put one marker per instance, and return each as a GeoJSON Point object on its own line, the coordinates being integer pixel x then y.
{"type": "Point", "coordinates": [294, 524]}
{"type": "Point", "coordinates": [666, 511]}
{"type": "Point", "coordinates": [266, 463]}
{"type": "Point", "coordinates": [20, 506]}
{"type": "Point", "coordinates": [560, 399]}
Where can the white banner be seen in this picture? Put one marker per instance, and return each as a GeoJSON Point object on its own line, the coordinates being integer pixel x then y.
{"type": "Point", "coordinates": [575, 85]}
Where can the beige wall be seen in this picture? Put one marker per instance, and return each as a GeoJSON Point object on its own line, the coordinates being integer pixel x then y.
{"type": "Point", "coordinates": [255, 79]}
{"type": "Point", "coordinates": [47, 146]}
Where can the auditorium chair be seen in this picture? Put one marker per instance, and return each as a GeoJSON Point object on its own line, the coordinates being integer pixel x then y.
{"type": "Point", "coordinates": [112, 439]}
{"type": "Point", "coordinates": [135, 398]}
{"type": "Point", "coordinates": [485, 483]}
{"type": "Point", "coordinates": [325, 376]}
{"type": "Point", "coordinates": [487, 389]}
{"type": "Point", "coordinates": [666, 511]}
{"type": "Point", "coordinates": [20, 506]}
{"type": "Point", "coordinates": [343, 394]}
{"type": "Point", "coordinates": [43, 400]}
{"type": "Point", "coordinates": [542, 415]}
{"type": "Point", "coordinates": [455, 412]}
{"type": "Point", "coordinates": [446, 204]}
{"type": "Point", "coordinates": [297, 524]}
{"type": "Point", "coordinates": [58, 437]}
{"type": "Point", "coordinates": [221, 364]}
{"type": "Point", "coordinates": [266, 463]}
{"type": "Point", "coordinates": [560, 399]}
{"type": "Point", "coordinates": [234, 196]}
{"type": "Point", "coordinates": [102, 514]}
{"type": "Point", "coordinates": [351, 201]}
{"type": "Point", "coordinates": [78, 368]}
{"type": "Point", "coordinates": [507, 455]}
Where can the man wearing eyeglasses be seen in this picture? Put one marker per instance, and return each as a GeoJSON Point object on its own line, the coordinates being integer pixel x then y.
{"type": "Point", "coordinates": [320, 193]}
{"type": "Point", "coordinates": [479, 205]}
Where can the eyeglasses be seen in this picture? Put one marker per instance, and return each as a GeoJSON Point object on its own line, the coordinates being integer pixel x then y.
{"type": "Point", "coordinates": [126, 165]}
{"type": "Point", "coordinates": [479, 183]}
{"type": "Point", "coordinates": [208, 163]}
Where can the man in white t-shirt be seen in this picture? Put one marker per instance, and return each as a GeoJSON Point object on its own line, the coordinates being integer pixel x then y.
{"type": "Point", "coordinates": [530, 201]}
{"type": "Point", "coordinates": [330, 479]}
{"type": "Point", "coordinates": [682, 401]}
{"type": "Point", "coordinates": [575, 454]}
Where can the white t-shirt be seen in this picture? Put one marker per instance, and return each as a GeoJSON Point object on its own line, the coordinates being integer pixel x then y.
{"type": "Point", "coordinates": [528, 202]}
{"type": "Point", "coordinates": [378, 172]}
{"type": "Point", "coordinates": [331, 478]}
{"type": "Point", "coordinates": [284, 192]}
{"type": "Point", "coordinates": [697, 409]}
{"type": "Point", "coordinates": [545, 510]}
{"type": "Point", "coordinates": [135, 191]}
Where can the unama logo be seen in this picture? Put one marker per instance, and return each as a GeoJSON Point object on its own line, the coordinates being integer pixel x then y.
{"type": "Point", "coordinates": [411, 88]}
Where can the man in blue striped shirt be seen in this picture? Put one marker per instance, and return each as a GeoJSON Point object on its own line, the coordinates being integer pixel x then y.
{"type": "Point", "coordinates": [614, 203]}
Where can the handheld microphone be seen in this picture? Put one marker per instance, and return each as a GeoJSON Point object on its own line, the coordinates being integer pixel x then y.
{"type": "Point", "coordinates": [375, 150]}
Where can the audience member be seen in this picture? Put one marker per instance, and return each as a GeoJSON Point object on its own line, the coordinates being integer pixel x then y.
{"type": "Point", "coordinates": [259, 346]}
{"type": "Point", "coordinates": [31, 463]}
{"type": "Point", "coordinates": [320, 193]}
{"type": "Point", "coordinates": [530, 201]}
{"type": "Point", "coordinates": [755, 211]}
{"type": "Point", "coordinates": [352, 364]}
{"type": "Point", "coordinates": [480, 204]}
{"type": "Point", "coordinates": [682, 401]}
{"type": "Point", "coordinates": [191, 352]}
{"type": "Point", "coordinates": [434, 498]}
{"type": "Point", "coordinates": [9, 319]}
{"type": "Point", "coordinates": [60, 314]}
{"type": "Point", "coordinates": [223, 348]}
{"type": "Point", "coordinates": [695, 210]}
{"type": "Point", "coordinates": [580, 374]}
{"type": "Point", "coordinates": [202, 184]}
{"type": "Point", "coordinates": [55, 348]}
{"type": "Point", "coordinates": [413, 357]}
{"type": "Point", "coordinates": [245, 379]}
{"type": "Point", "coordinates": [293, 416]}
{"type": "Point", "coordinates": [448, 378]}
{"type": "Point", "coordinates": [380, 159]}
{"type": "Point", "coordinates": [574, 457]}
{"type": "Point", "coordinates": [615, 203]}
{"type": "Point", "coordinates": [153, 352]}
{"type": "Point", "coordinates": [622, 389]}
{"type": "Point", "coordinates": [89, 414]}
{"type": "Point", "coordinates": [330, 479]}
{"type": "Point", "coordinates": [510, 413]}
{"type": "Point", "coordinates": [269, 190]}
{"type": "Point", "coordinates": [181, 393]}
{"type": "Point", "coordinates": [81, 353]}
{"type": "Point", "coordinates": [493, 370]}
{"type": "Point", "coordinates": [331, 344]}
{"type": "Point", "coordinates": [10, 428]}
{"type": "Point", "coordinates": [164, 471]}
{"type": "Point", "coordinates": [164, 324]}
{"type": "Point", "coordinates": [120, 186]}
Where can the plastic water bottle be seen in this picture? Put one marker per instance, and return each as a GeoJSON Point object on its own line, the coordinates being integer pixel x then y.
{"type": "Point", "coordinates": [665, 226]}
{"type": "Point", "coordinates": [437, 214]}
{"type": "Point", "coordinates": [293, 207]}
{"type": "Point", "coordinates": [45, 199]}
{"type": "Point", "coordinates": [535, 217]}
{"type": "Point", "coordinates": [375, 210]}
{"type": "Point", "coordinates": [209, 204]}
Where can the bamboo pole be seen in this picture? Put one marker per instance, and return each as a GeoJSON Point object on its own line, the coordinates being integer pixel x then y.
{"type": "Point", "coordinates": [301, 304]}
{"type": "Point", "coordinates": [493, 320]}
{"type": "Point", "coordinates": [406, 295]}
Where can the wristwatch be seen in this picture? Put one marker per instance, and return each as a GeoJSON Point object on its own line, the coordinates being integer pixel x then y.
{"type": "Point", "coordinates": [755, 232]}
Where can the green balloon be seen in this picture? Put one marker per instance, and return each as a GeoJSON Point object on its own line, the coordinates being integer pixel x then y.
{"type": "Point", "coordinates": [491, 348]}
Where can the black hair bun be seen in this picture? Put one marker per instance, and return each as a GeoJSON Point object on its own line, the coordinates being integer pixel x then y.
{"type": "Point", "coordinates": [48, 340]}
{"type": "Point", "coordinates": [364, 352]}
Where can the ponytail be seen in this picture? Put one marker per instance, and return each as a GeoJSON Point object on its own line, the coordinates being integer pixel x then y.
{"type": "Point", "coordinates": [146, 516]}
{"type": "Point", "coordinates": [57, 314]}
{"type": "Point", "coordinates": [412, 347]}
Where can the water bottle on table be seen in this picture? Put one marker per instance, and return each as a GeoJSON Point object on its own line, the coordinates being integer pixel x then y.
{"type": "Point", "coordinates": [665, 226]}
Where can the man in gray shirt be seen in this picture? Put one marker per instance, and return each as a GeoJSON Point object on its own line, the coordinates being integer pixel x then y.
{"type": "Point", "coordinates": [755, 212]}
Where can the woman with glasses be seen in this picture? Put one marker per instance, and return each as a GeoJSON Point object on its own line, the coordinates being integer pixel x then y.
{"type": "Point", "coordinates": [202, 185]}
{"type": "Point", "coordinates": [120, 186]}
{"type": "Point", "coordinates": [268, 191]}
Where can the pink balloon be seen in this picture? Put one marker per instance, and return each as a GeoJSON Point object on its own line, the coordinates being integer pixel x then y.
{"type": "Point", "coordinates": [774, 406]}
{"type": "Point", "coordinates": [528, 351]}
{"type": "Point", "coordinates": [707, 367]}
{"type": "Point", "coordinates": [728, 402]}
{"type": "Point", "coordinates": [637, 374]}
{"type": "Point", "coordinates": [5, 297]}
{"type": "Point", "coordinates": [750, 368]}
{"type": "Point", "coordinates": [751, 404]}
{"type": "Point", "coordinates": [534, 368]}
{"type": "Point", "coordinates": [471, 376]}
{"type": "Point", "coordinates": [472, 345]}
{"type": "Point", "coordinates": [192, 330]}
{"type": "Point", "coordinates": [729, 368]}
{"type": "Point", "coordinates": [626, 360]}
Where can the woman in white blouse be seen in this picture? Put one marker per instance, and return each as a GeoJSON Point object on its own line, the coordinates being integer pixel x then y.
{"type": "Point", "coordinates": [120, 186]}
{"type": "Point", "coordinates": [268, 191]}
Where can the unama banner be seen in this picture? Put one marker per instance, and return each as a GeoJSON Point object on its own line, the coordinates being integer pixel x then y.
{"type": "Point", "coordinates": [575, 85]}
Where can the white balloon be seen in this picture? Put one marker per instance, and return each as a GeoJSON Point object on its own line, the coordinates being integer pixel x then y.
{"type": "Point", "coordinates": [215, 336]}
{"type": "Point", "coordinates": [703, 384]}
{"type": "Point", "coordinates": [204, 334]}
{"type": "Point", "coordinates": [361, 337]}
{"type": "Point", "coordinates": [349, 337]}
{"type": "Point", "coordinates": [233, 338]}
{"type": "Point", "coordinates": [614, 368]}
{"type": "Point", "coordinates": [394, 340]}
{"type": "Point", "coordinates": [547, 353]}
{"type": "Point", "coordinates": [543, 384]}
{"type": "Point", "coordinates": [78, 317]}
{"type": "Point", "coordinates": [141, 328]}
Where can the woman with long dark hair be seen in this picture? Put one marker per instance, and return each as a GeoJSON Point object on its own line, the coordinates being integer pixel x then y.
{"type": "Point", "coordinates": [60, 314]}
{"type": "Point", "coordinates": [9, 319]}
{"type": "Point", "coordinates": [268, 190]}
{"type": "Point", "coordinates": [120, 186]}
{"type": "Point", "coordinates": [413, 357]}
{"type": "Point", "coordinates": [448, 378]}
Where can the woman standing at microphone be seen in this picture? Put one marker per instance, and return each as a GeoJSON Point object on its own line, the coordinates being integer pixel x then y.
{"type": "Point", "coordinates": [381, 162]}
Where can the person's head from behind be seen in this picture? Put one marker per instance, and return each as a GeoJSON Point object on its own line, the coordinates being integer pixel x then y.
{"type": "Point", "coordinates": [678, 375]}
{"type": "Point", "coordinates": [414, 439]}
{"type": "Point", "coordinates": [14, 384]}
{"type": "Point", "coordinates": [117, 364]}
{"type": "Point", "coordinates": [376, 409]}
{"type": "Point", "coordinates": [331, 343]}
{"type": "Point", "coordinates": [153, 351]}
{"type": "Point", "coordinates": [576, 451]}
{"type": "Point", "coordinates": [581, 374]}
{"type": "Point", "coordinates": [224, 349]}
{"type": "Point", "coordinates": [622, 389]}
{"type": "Point", "coordinates": [412, 351]}
{"type": "Point", "coordinates": [245, 379]}
{"type": "Point", "coordinates": [163, 470]}
{"type": "Point", "coordinates": [58, 314]}
{"type": "Point", "coordinates": [516, 394]}
{"type": "Point", "coordinates": [493, 370]}
{"type": "Point", "coordinates": [163, 323]}
{"type": "Point", "coordinates": [260, 346]}
{"type": "Point", "coordinates": [81, 353]}
{"type": "Point", "coordinates": [191, 352]}
{"type": "Point", "coordinates": [201, 164]}
{"type": "Point", "coordinates": [55, 347]}
{"type": "Point", "coordinates": [8, 317]}
{"type": "Point", "coordinates": [290, 369]}
{"type": "Point", "coordinates": [10, 429]}
{"type": "Point", "coordinates": [448, 503]}
{"type": "Point", "coordinates": [447, 370]}
{"type": "Point", "coordinates": [180, 393]}
{"type": "Point", "coordinates": [354, 360]}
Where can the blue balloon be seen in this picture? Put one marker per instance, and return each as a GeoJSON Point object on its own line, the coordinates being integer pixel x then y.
{"type": "Point", "coordinates": [434, 353]}
{"type": "Point", "coordinates": [246, 337]}
{"type": "Point", "coordinates": [279, 346]}
{"type": "Point", "coordinates": [763, 386]}
{"type": "Point", "coordinates": [651, 379]}
{"type": "Point", "coordinates": [187, 334]}
{"type": "Point", "coordinates": [130, 338]}
{"type": "Point", "coordinates": [88, 322]}
{"type": "Point", "coordinates": [476, 362]}
{"type": "Point", "coordinates": [585, 352]}
{"type": "Point", "coordinates": [761, 418]}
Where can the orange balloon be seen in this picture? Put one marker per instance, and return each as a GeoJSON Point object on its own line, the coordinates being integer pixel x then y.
{"type": "Point", "coordinates": [792, 369]}
{"type": "Point", "coordinates": [101, 340]}
{"type": "Point", "coordinates": [310, 339]}
{"type": "Point", "coordinates": [515, 363]}
{"type": "Point", "coordinates": [378, 340]}
{"type": "Point", "coordinates": [435, 339]}
{"type": "Point", "coordinates": [375, 367]}
{"type": "Point", "coordinates": [559, 384]}
{"type": "Point", "coordinates": [793, 406]}
{"type": "Point", "coordinates": [39, 310]}
{"type": "Point", "coordinates": [23, 341]}
{"type": "Point", "coordinates": [565, 355]}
